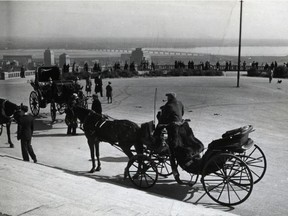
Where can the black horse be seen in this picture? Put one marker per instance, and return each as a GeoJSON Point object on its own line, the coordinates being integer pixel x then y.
{"type": "Point", "coordinates": [7, 110]}
{"type": "Point", "coordinates": [123, 133]}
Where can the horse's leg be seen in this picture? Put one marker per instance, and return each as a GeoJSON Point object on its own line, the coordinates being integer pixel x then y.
{"type": "Point", "coordinates": [8, 124]}
{"type": "Point", "coordinates": [91, 147]}
{"type": "Point", "coordinates": [126, 150]}
{"type": "Point", "coordinates": [129, 154]}
{"type": "Point", "coordinates": [139, 147]}
{"type": "Point", "coordinates": [97, 155]}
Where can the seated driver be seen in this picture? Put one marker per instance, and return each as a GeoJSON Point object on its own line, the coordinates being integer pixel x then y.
{"type": "Point", "coordinates": [171, 112]}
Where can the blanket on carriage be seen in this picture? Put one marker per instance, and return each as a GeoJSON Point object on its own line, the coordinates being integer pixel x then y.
{"type": "Point", "coordinates": [185, 147]}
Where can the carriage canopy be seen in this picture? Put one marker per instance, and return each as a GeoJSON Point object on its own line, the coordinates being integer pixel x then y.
{"type": "Point", "coordinates": [44, 73]}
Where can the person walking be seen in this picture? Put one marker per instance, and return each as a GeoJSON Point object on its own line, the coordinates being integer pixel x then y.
{"type": "Point", "coordinates": [25, 130]}
{"type": "Point", "coordinates": [96, 105]}
{"type": "Point", "coordinates": [109, 92]}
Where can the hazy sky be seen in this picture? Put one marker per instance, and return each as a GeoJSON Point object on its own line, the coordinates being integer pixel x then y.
{"type": "Point", "coordinates": [262, 19]}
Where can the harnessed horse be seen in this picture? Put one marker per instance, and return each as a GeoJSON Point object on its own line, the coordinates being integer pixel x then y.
{"type": "Point", "coordinates": [7, 110]}
{"type": "Point", "coordinates": [123, 133]}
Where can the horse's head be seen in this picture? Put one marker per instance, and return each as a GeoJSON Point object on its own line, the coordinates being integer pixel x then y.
{"type": "Point", "coordinates": [83, 114]}
{"type": "Point", "coordinates": [20, 111]}
{"type": "Point", "coordinates": [8, 109]}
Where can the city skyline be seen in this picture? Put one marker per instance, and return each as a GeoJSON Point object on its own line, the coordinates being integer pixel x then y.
{"type": "Point", "coordinates": [214, 19]}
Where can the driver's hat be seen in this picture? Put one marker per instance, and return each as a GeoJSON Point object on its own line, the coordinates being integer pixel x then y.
{"type": "Point", "coordinates": [171, 94]}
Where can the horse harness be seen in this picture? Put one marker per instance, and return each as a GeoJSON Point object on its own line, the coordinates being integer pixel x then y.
{"type": "Point", "coordinates": [97, 125]}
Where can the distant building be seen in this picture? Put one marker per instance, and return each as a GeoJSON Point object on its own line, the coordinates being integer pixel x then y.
{"type": "Point", "coordinates": [21, 59]}
{"type": "Point", "coordinates": [138, 56]}
{"type": "Point", "coordinates": [49, 58]}
{"type": "Point", "coordinates": [64, 59]}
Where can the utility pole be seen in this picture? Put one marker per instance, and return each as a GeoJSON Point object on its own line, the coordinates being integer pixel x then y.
{"type": "Point", "coordinates": [239, 49]}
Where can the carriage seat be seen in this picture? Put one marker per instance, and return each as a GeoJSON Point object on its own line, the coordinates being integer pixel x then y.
{"type": "Point", "coordinates": [235, 140]}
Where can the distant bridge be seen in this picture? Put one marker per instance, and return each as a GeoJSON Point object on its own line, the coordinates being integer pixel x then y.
{"type": "Point", "coordinates": [152, 51]}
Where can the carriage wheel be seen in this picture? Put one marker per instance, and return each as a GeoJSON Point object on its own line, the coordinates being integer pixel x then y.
{"type": "Point", "coordinates": [230, 180]}
{"type": "Point", "coordinates": [53, 111]}
{"type": "Point", "coordinates": [34, 103]}
{"type": "Point", "coordinates": [1, 129]}
{"type": "Point", "coordinates": [256, 161]}
{"type": "Point", "coordinates": [142, 171]}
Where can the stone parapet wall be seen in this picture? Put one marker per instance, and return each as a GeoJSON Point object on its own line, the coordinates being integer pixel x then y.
{"type": "Point", "coordinates": [15, 74]}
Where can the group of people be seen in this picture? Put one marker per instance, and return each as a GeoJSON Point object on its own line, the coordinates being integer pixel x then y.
{"type": "Point", "coordinates": [96, 104]}
{"type": "Point", "coordinates": [98, 88]}
{"type": "Point", "coordinates": [171, 112]}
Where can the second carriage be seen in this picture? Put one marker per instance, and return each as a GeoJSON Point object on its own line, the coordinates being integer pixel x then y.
{"type": "Point", "coordinates": [228, 168]}
{"type": "Point", "coordinates": [50, 88]}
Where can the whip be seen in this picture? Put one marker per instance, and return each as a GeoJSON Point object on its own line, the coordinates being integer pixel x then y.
{"type": "Point", "coordinates": [155, 98]}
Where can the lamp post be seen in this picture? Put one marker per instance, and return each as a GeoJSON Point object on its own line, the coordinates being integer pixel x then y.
{"type": "Point", "coordinates": [239, 49]}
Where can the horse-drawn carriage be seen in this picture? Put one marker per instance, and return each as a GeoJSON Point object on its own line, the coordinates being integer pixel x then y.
{"type": "Point", "coordinates": [229, 167]}
{"type": "Point", "coordinates": [50, 88]}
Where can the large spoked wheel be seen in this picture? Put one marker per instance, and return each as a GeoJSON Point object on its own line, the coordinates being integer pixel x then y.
{"type": "Point", "coordinates": [256, 161]}
{"type": "Point", "coordinates": [34, 103]}
{"type": "Point", "coordinates": [227, 179]}
{"type": "Point", "coordinates": [53, 111]}
{"type": "Point", "coordinates": [142, 171]}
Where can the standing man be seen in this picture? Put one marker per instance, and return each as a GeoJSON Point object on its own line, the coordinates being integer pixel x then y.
{"type": "Point", "coordinates": [88, 87]}
{"type": "Point", "coordinates": [109, 92]}
{"type": "Point", "coordinates": [22, 72]}
{"type": "Point", "coordinates": [71, 121]}
{"type": "Point", "coordinates": [98, 85]}
{"type": "Point", "coordinates": [270, 76]}
{"type": "Point", "coordinates": [24, 133]}
{"type": "Point", "coordinates": [96, 105]}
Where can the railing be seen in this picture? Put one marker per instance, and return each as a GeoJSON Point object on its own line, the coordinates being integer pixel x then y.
{"type": "Point", "coordinates": [15, 74]}
{"type": "Point", "coordinates": [196, 67]}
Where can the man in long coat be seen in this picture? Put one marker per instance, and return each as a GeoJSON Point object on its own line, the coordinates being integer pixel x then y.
{"type": "Point", "coordinates": [96, 105]}
{"type": "Point", "coordinates": [172, 111]}
{"type": "Point", "coordinates": [24, 133]}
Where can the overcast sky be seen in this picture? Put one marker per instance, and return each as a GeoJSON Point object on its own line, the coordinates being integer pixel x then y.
{"type": "Point", "coordinates": [262, 19]}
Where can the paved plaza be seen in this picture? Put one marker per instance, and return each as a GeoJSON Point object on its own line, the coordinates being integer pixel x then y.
{"type": "Point", "coordinates": [60, 181]}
